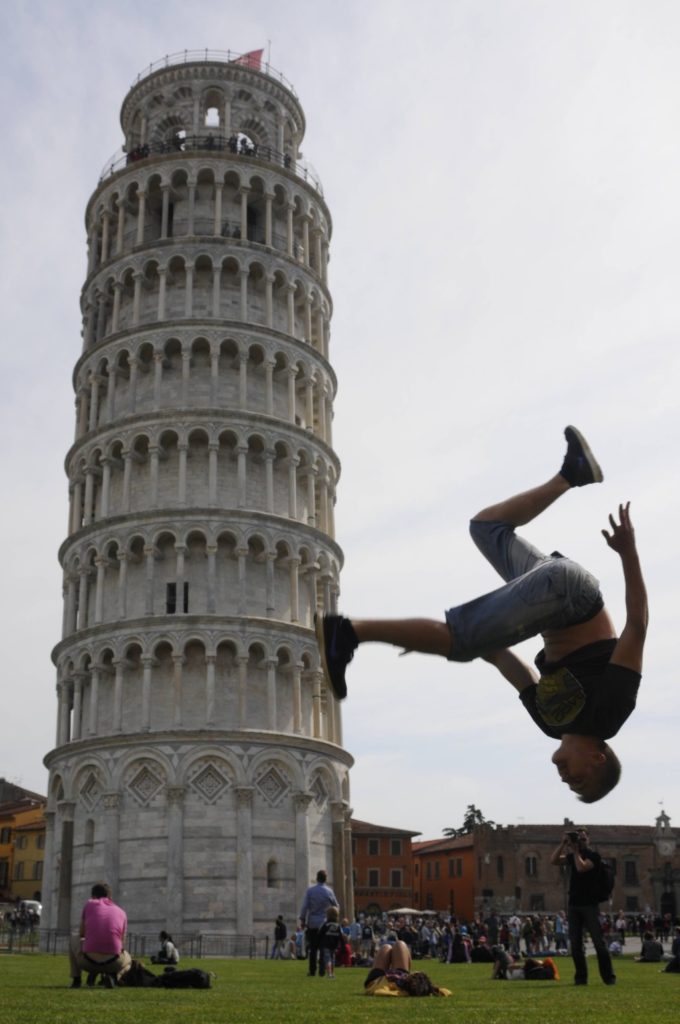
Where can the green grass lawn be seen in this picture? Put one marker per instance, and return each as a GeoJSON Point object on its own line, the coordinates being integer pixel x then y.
{"type": "Point", "coordinates": [33, 990]}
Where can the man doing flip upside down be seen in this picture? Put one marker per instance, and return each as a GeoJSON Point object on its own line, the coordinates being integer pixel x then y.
{"type": "Point", "coordinates": [587, 678]}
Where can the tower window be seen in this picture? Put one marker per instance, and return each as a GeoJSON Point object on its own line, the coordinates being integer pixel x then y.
{"type": "Point", "coordinates": [212, 118]}
{"type": "Point", "coordinates": [171, 598]}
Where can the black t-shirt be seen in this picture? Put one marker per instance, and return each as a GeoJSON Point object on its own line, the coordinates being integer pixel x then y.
{"type": "Point", "coordinates": [583, 885]}
{"type": "Point", "coordinates": [329, 934]}
{"type": "Point", "coordinates": [583, 693]}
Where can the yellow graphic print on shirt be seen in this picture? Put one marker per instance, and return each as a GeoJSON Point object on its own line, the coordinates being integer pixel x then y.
{"type": "Point", "coordinates": [560, 697]}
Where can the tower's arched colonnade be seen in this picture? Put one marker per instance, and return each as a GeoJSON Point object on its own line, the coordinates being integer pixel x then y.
{"type": "Point", "coordinates": [198, 763]}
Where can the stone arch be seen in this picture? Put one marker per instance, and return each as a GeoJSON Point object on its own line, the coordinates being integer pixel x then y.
{"type": "Point", "coordinates": [228, 580]}
{"type": "Point", "coordinates": [168, 467]}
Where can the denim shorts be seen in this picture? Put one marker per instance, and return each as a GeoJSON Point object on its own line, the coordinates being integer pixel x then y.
{"type": "Point", "coordinates": [541, 592]}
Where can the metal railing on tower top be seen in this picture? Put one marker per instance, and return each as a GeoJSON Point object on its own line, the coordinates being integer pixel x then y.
{"type": "Point", "coordinates": [220, 56]}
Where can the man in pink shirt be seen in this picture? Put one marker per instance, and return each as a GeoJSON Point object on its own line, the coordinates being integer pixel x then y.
{"type": "Point", "coordinates": [101, 946]}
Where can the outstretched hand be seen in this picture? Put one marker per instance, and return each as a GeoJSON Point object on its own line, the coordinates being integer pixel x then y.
{"type": "Point", "coordinates": [622, 536]}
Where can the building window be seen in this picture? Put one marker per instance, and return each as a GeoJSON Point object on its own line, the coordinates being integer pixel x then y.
{"type": "Point", "coordinates": [171, 598]}
{"type": "Point", "coordinates": [537, 901]}
{"type": "Point", "coordinates": [499, 866]}
{"type": "Point", "coordinates": [416, 870]}
{"type": "Point", "coordinates": [429, 902]}
{"type": "Point", "coordinates": [354, 877]}
{"type": "Point", "coordinates": [22, 842]}
{"type": "Point", "coordinates": [354, 847]}
{"type": "Point", "coordinates": [5, 835]}
{"type": "Point", "coordinates": [396, 878]}
{"type": "Point", "coordinates": [630, 875]}
{"type": "Point", "coordinates": [395, 847]}
{"type": "Point", "coordinates": [531, 866]}
{"type": "Point", "coordinates": [452, 868]}
{"type": "Point", "coordinates": [4, 873]}
{"type": "Point", "coordinates": [373, 847]}
{"type": "Point", "coordinates": [428, 870]}
{"type": "Point", "coordinates": [436, 869]}
{"type": "Point", "coordinates": [212, 117]}
{"type": "Point", "coordinates": [632, 903]}
{"type": "Point", "coordinates": [374, 877]}
{"type": "Point", "coordinates": [272, 874]}
{"type": "Point", "coordinates": [459, 867]}
{"type": "Point", "coordinates": [19, 871]}
{"type": "Point", "coordinates": [38, 870]}
{"type": "Point", "coordinates": [40, 841]}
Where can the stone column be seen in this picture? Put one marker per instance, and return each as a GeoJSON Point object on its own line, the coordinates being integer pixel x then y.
{"type": "Point", "coordinates": [241, 451]}
{"type": "Point", "coordinates": [242, 380]}
{"type": "Point", "coordinates": [191, 195]}
{"type": "Point", "coordinates": [269, 299]}
{"type": "Point", "coordinates": [292, 374]}
{"type": "Point", "coordinates": [89, 493]}
{"type": "Point", "coordinates": [137, 297]}
{"type": "Point", "coordinates": [302, 856]}
{"type": "Point", "coordinates": [119, 666]}
{"type": "Point", "coordinates": [189, 292]}
{"type": "Point", "coordinates": [175, 883]}
{"type": "Point", "coordinates": [47, 891]}
{"type": "Point", "coordinates": [293, 566]}
{"type": "Point", "coordinates": [154, 453]}
{"type": "Point", "coordinates": [244, 192]}
{"type": "Point", "coordinates": [210, 660]}
{"type": "Point", "coordinates": [141, 217]}
{"type": "Point", "coordinates": [77, 705]}
{"type": "Point", "coordinates": [271, 694]}
{"type": "Point", "coordinates": [268, 199]}
{"type": "Point", "coordinates": [115, 315]}
{"type": "Point", "coordinates": [180, 552]}
{"type": "Point", "coordinates": [305, 238]}
{"type": "Point", "coordinates": [289, 229]}
{"type": "Point", "coordinates": [165, 190]}
{"type": "Point", "coordinates": [127, 471]}
{"type": "Point", "coordinates": [134, 368]}
{"type": "Point", "coordinates": [244, 294]}
{"type": "Point", "coordinates": [290, 289]}
{"type": "Point", "coordinates": [162, 286]}
{"type": "Point", "coordinates": [186, 372]}
{"type": "Point", "coordinates": [83, 574]}
{"type": "Point", "coordinates": [177, 662]}
{"type": "Point", "coordinates": [217, 223]}
{"type": "Point", "coordinates": [214, 376]}
{"type": "Point", "coordinates": [64, 910]}
{"type": "Point", "coordinates": [64, 719]}
{"type": "Point", "coordinates": [213, 449]}
{"type": "Point", "coordinates": [269, 457]}
{"type": "Point", "coordinates": [147, 666]}
{"type": "Point", "coordinates": [242, 554]}
{"type": "Point", "coordinates": [94, 401]}
{"type": "Point", "coordinates": [157, 378]}
{"type": "Point", "coordinates": [244, 859]}
{"type": "Point", "coordinates": [94, 699]}
{"type": "Point", "coordinates": [293, 464]}
{"type": "Point", "coordinates": [297, 697]}
{"type": "Point", "coordinates": [111, 391]}
{"type": "Point", "coordinates": [340, 879]}
{"type": "Point", "coordinates": [105, 235]}
{"type": "Point", "coordinates": [182, 448]}
{"type": "Point", "coordinates": [120, 227]}
{"type": "Point", "coordinates": [101, 564]}
{"type": "Point", "coordinates": [111, 840]}
{"type": "Point", "coordinates": [216, 292]}
{"type": "Point", "coordinates": [242, 661]}
{"type": "Point", "coordinates": [122, 583]}
{"type": "Point", "coordinates": [150, 556]}
{"type": "Point", "coordinates": [316, 705]}
{"type": "Point", "coordinates": [211, 551]}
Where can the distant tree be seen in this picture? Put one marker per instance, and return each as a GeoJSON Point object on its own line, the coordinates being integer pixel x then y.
{"type": "Point", "coordinates": [473, 816]}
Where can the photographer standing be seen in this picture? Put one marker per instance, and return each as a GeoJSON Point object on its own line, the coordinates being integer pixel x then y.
{"type": "Point", "coordinates": [583, 909]}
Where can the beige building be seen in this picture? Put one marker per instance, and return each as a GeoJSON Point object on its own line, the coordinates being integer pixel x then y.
{"type": "Point", "coordinates": [198, 763]}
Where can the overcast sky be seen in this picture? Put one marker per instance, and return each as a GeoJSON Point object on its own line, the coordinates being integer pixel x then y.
{"type": "Point", "coordinates": [503, 180]}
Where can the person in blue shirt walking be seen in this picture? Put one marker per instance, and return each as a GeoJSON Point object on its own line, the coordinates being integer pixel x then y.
{"type": "Point", "coordinates": [318, 899]}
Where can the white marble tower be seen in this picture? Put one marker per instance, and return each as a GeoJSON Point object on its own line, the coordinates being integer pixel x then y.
{"type": "Point", "coordinates": [198, 765]}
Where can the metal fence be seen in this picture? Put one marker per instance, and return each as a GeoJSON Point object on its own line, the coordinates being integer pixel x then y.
{"type": "Point", "coordinates": [209, 143]}
{"type": "Point", "coordinates": [247, 60]}
{"type": "Point", "coordinates": [192, 945]}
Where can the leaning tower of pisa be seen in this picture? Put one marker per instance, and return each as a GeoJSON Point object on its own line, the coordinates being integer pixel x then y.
{"type": "Point", "coordinates": [198, 764]}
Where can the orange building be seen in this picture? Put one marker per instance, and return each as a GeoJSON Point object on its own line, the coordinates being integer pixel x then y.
{"type": "Point", "coordinates": [382, 867]}
{"type": "Point", "coordinates": [444, 876]}
{"type": "Point", "coordinates": [22, 841]}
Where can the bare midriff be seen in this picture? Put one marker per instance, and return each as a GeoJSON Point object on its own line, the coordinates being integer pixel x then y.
{"type": "Point", "coordinates": [558, 643]}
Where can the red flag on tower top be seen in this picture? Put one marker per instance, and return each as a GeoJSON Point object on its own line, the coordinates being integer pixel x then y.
{"type": "Point", "coordinates": [251, 60]}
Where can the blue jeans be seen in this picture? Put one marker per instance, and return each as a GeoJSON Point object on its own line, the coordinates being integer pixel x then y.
{"type": "Point", "coordinates": [581, 919]}
{"type": "Point", "coordinates": [541, 592]}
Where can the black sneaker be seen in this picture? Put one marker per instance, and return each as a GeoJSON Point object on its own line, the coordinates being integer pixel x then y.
{"type": "Point", "coordinates": [337, 643]}
{"type": "Point", "coordinates": [75, 983]}
{"type": "Point", "coordinates": [580, 467]}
